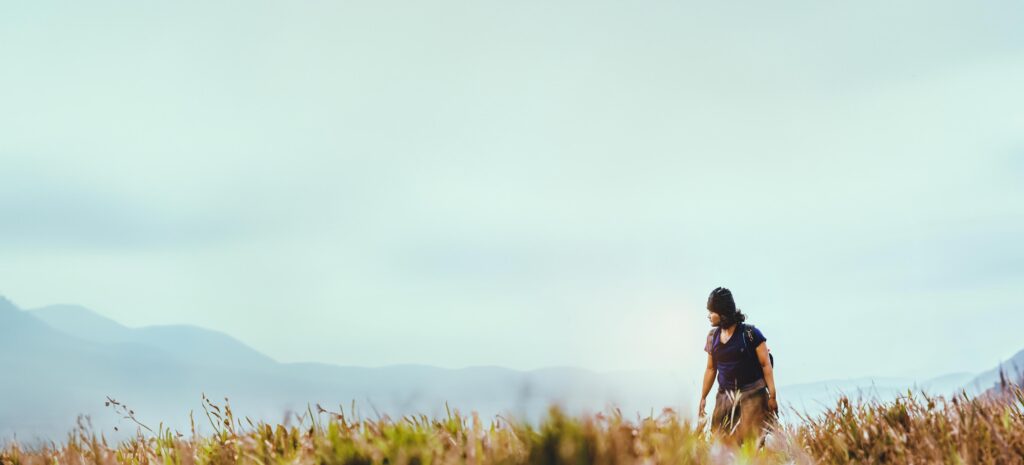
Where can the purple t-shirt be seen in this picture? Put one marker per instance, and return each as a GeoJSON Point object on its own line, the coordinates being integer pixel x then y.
{"type": "Point", "coordinates": [736, 360]}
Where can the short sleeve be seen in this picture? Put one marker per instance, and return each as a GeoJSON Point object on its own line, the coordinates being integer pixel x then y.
{"type": "Point", "coordinates": [707, 343]}
{"type": "Point", "coordinates": [758, 337]}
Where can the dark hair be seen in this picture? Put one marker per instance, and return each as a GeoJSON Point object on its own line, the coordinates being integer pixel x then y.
{"type": "Point", "coordinates": [721, 302]}
{"type": "Point", "coordinates": [736, 317]}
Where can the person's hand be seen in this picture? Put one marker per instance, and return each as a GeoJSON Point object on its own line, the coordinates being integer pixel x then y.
{"type": "Point", "coordinates": [700, 411]}
{"type": "Point", "coordinates": [773, 405]}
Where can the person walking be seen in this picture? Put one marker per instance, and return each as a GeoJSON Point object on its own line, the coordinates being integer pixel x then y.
{"type": "Point", "coordinates": [746, 403]}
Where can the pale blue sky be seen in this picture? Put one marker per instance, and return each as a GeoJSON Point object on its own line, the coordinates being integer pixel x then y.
{"type": "Point", "coordinates": [525, 183]}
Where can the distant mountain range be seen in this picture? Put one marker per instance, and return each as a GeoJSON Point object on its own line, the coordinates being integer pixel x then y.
{"type": "Point", "coordinates": [813, 398]}
{"type": "Point", "coordinates": [186, 344]}
{"type": "Point", "coordinates": [63, 360]}
{"type": "Point", "coordinates": [1012, 368]}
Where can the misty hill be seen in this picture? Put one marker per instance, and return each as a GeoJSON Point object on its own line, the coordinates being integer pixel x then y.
{"type": "Point", "coordinates": [60, 361]}
{"type": "Point", "coordinates": [49, 376]}
{"type": "Point", "coordinates": [1013, 368]}
{"type": "Point", "coordinates": [814, 397]}
{"type": "Point", "coordinates": [189, 344]}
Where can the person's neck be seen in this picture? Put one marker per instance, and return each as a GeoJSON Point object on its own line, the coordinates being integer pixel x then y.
{"type": "Point", "coordinates": [729, 329]}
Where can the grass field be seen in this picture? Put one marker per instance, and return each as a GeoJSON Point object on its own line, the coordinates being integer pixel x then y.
{"type": "Point", "coordinates": [914, 429]}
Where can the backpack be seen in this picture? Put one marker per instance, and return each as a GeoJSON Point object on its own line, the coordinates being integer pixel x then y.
{"type": "Point", "coordinates": [747, 335]}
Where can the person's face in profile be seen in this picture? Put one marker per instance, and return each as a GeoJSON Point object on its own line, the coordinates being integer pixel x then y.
{"type": "Point", "coordinates": [714, 318]}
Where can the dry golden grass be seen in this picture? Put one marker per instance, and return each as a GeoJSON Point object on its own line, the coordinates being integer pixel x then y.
{"type": "Point", "coordinates": [914, 429]}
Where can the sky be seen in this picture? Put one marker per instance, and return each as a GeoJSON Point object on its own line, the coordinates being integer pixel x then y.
{"type": "Point", "coordinates": [525, 183]}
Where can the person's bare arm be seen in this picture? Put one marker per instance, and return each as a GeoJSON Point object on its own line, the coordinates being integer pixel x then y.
{"type": "Point", "coordinates": [709, 380]}
{"type": "Point", "coordinates": [769, 374]}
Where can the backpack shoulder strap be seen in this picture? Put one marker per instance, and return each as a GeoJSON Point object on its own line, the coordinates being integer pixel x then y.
{"type": "Point", "coordinates": [713, 337]}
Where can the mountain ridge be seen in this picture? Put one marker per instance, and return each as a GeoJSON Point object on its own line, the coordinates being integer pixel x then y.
{"type": "Point", "coordinates": [78, 369]}
{"type": "Point", "coordinates": [148, 368]}
{"type": "Point", "coordinates": [189, 343]}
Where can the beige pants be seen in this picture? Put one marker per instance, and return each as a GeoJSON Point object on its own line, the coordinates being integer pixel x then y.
{"type": "Point", "coordinates": [740, 414]}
